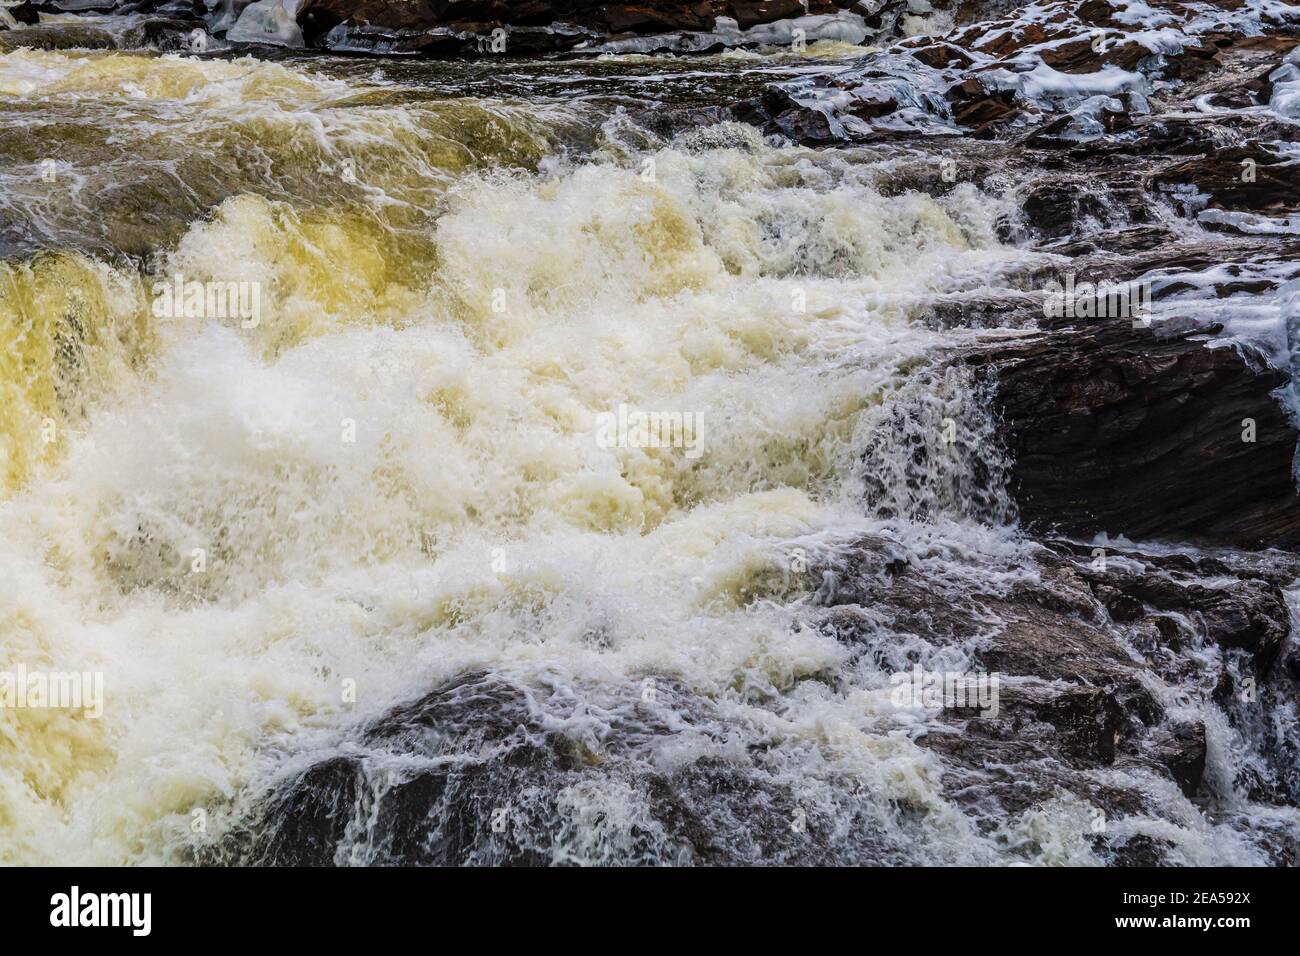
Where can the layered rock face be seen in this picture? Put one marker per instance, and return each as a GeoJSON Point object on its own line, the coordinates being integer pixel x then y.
{"type": "Point", "coordinates": [1112, 429]}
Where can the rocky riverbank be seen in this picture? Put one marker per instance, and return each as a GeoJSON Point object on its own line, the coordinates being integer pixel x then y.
{"type": "Point", "coordinates": [476, 28]}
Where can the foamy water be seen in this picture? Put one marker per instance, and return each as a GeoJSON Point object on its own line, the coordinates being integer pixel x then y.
{"type": "Point", "coordinates": [264, 535]}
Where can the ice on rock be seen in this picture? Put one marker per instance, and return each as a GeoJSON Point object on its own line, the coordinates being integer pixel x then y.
{"type": "Point", "coordinates": [222, 14]}
{"type": "Point", "coordinates": [1086, 118]}
{"type": "Point", "coordinates": [841, 26]}
{"type": "Point", "coordinates": [1285, 100]}
{"type": "Point", "coordinates": [1045, 85]}
{"type": "Point", "coordinates": [1288, 303]}
{"type": "Point", "coordinates": [269, 21]}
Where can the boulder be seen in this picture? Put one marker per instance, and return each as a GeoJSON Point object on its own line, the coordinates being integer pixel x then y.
{"type": "Point", "coordinates": [23, 12]}
{"type": "Point", "coordinates": [1116, 430]}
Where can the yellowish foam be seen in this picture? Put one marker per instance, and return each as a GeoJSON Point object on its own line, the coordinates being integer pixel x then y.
{"type": "Point", "coordinates": [69, 328]}
{"type": "Point", "coordinates": [395, 475]}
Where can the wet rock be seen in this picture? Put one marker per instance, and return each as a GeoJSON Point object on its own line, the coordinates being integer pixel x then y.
{"type": "Point", "coordinates": [1256, 176]}
{"type": "Point", "coordinates": [1182, 750]}
{"type": "Point", "coordinates": [979, 109]}
{"type": "Point", "coordinates": [1166, 602]}
{"type": "Point", "coordinates": [418, 786]}
{"type": "Point", "coordinates": [474, 773]}
{"type": "Point", "coordinates": [76, 6]}
{"type": "Point", "coordinates": [1122, 608]}
{"type": "Point", "coordinates": [1251, 615]}
{"type": "Point", "coordinates": [1074, 698]}
{"type": "Point", "coordinates": [1115, 430]}
{"type": "Point", "coordinates": [310, 817]}
{"type": "Point", "coordinates": [1055, 206]}
{"type": "Point", "coordinates": [748, 13]}
{"type": "Point", "coordinates": [1088, 721]}
{"type": "Point", "coordinates": [169, 34]}
{"type": "Point", "coordinates": [461, 27]}
{"type": "Point", "coordinates": [892, 94]}
{"type": "Point", "coordinates": [1076, 70]}
{"type": "Point", "coordinates": [1140, 851]}
{"type": "Point", "coordinates": [24, 12]}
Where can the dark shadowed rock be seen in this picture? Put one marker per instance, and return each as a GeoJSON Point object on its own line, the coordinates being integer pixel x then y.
{"type": "Point", "coordinates": [24, 12]}
{"type": "Point", "coordinates": [1181, 748]}
{"type": "Point", "coordinates": [1256, 176]}
{"type": "Point", "coordinates": [472, 774]}
{"type": "Point", "coordinates": [1115, 430]}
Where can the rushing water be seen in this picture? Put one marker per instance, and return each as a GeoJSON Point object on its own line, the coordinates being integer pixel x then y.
{"type": "Point", "coordinates": [394, 477]}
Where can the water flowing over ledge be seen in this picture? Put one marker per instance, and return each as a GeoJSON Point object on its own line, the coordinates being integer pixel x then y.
{"type": "Point", "coordinates": [371, 574]}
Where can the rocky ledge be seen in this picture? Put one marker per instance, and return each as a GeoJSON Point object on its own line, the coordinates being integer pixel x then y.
{"type": "Point", "coordinates": [1115, 430]}
{"type": "Point", "coordinates": [1073, 69]}
{"type": "Point", "coordinates": [1148, 151]}
{"type": "Point", "coordinates": [448, 28]}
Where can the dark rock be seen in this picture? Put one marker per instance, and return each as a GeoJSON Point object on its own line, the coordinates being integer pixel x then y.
{"type": "Point", "coordinates": [978, 108]}
{"type": "Point", "coordinates": [1141, 851]}
{"type": "Point", "coordinates": [1255, 176]}
{"type": "Point", "coordinates": [440, 27]}
{"type": "Point", "coordinates": [76, 6]}
{"type": "Point", "coordinates": [1250, 615]}
{"type": "Point", "coordinates": [748, 13]}
{"type": "Point", "coordinates": [1123, 608]}
{"type": "Point", "coordinates": [169, 34]}
{"type": "Point", "coordinates": [1115, 430]}
{"type": "Point", "coordinates": [24, 12]}
{"type": "Point", "coordinates": [1181, 748]}
{"type": "Point", "coordinates": [471, 774]}
{"type": "Point", "coordinates": [1073, 698]}
{"type": "Point", "coordinates": [1055, 206]}
{"type": "Point", "coordinates": [402, 793]}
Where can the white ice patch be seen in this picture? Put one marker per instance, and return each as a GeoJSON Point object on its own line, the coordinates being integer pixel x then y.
{"type": "Point", "coordinates": [842, 27]}
{"type": "Point", "coordinates": [1086, 118]}
{"type": "Point", "coordinates": [1047, 86]}
{"type": "Point", "coordinates": [1285, 100]}
{"type": "Point", "coordinates": [1249, 223]}
{"type": "Point", "coordinates": [269, 21]}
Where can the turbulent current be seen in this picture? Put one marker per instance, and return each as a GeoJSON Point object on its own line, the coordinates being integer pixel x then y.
{"type": "Point", "coordinates": [275, 534]}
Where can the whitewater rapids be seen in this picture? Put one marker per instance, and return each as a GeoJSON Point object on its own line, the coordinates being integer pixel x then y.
{"type": "Point", "coordinates": [394, 479]}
